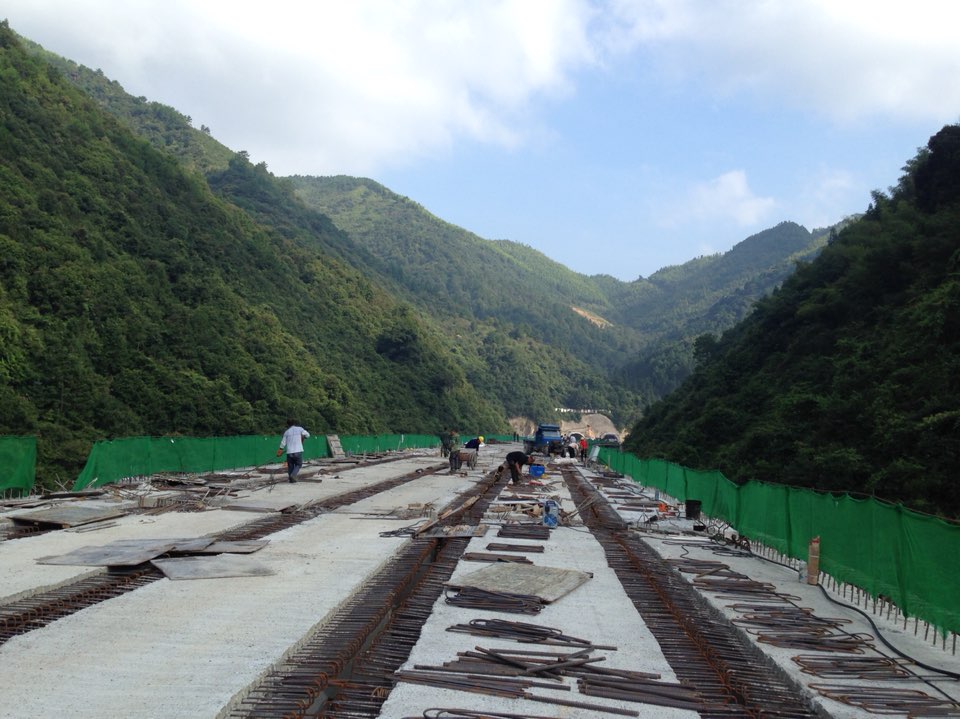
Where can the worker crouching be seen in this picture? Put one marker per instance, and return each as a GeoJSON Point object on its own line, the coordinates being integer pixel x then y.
{"type": "Point", "coordinates": [515, 462]}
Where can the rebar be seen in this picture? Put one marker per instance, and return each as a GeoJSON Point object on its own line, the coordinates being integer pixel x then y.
{"type": "Point", "coordinates": [703, 649]}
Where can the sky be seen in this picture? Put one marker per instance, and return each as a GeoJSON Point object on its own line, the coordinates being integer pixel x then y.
{"type": "Point", "coordinates": [615, 137]}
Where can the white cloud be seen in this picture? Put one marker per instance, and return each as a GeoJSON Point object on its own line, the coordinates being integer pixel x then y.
{"type": "Point", "coordinates": [728, 197]}
{"type": "Point", "coordinates": [331, 87]}
{"type": "Point", "coordinates": [849, 60]}
{"type": "Point", "coordinates": [357, 87]}
{"type": "Point", "coordinates": [822, 199]}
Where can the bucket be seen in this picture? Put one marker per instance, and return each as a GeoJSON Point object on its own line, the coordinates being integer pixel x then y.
{"type": "Point", "coordinates": [693, 509]}
{"type": "Point", "coordinates": [536, 470]}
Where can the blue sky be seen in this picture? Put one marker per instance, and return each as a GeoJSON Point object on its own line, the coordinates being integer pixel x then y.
{"type": "Point", "coordinates": [615, 137]}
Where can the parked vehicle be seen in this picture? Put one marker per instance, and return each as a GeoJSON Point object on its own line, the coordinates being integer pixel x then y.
{"type": "Point", "coordinates": [546, 440]}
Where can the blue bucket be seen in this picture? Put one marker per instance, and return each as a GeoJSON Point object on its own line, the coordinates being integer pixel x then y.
{"type": "Point", "coordinates": [537, 470]}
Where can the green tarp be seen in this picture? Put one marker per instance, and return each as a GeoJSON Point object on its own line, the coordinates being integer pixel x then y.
{"type": "Point", "coordinates": [373, 443]}
{"type": "Point", "coordinates": [18, 460]}
{"type": "Point", "coordinates": [112, 460]}
{"type": "Point", "coordinates": [882, 548]}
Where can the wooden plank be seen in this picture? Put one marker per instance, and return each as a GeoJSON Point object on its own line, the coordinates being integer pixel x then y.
{"type": "Point", "coordinates": [457, 530]}
{"type": "Point", "coordinates": [336, 451]}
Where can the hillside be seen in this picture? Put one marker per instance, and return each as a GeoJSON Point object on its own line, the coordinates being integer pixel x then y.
{"type": "Point", "coordinates": [135, 301]}
{"type": "Point", "coordinates": [530, 333]}
{"type": "Point", "coordinates": [500, 329]}
{"type": "Point", "coordinates": [639, 334]}
{"type": "Point", "coordinates": [676, 305]}
{"type": "Point", "coordinates": [847, 377]}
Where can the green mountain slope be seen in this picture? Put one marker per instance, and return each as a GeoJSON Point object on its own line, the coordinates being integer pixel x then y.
{"type": "Point", "coordinates": [527, 333]}
{"type": "Point", "coordinates": [848, 378]}
{"type": "Point", "coordinates": [163, 126]}
{"type": "Point", "coordinates": [676, 305]}
{"type": "Point", "coordinates": [639, 335]}
{"type": "Point", "coordinates": [517, 315]}
{"type": "Point", "coordinates": [135, 301]}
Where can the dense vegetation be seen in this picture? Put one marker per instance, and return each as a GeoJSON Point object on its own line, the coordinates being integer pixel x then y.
{"type": "Point", "coordinates": [529, 333]}
{"type": "Point", "coordinates": [677, 304]}
{"type": "Point", "coordinates": [511, 312]}
{"type": "Point", "coordinates": [134, 301]}
{"type": "Point", "coordinates": [848, 377]}
{"type": "Point", "coordinates": [153, 281]}
{"type": "Point", "coordinates": [616, 345]}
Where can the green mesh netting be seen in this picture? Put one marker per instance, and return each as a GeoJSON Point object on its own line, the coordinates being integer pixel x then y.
{"type": "Point", "coordinates": [374, 443]}
{"type": "Point", "coordinates": [112, 460]}
{"type": "Point", "coordinates": [18, 460]}
{"type": "Point", "coordinates": [882, 548]}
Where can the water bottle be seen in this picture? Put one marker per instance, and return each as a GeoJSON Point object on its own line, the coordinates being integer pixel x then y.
{"type": "Point", "coordinates": [550, 513]}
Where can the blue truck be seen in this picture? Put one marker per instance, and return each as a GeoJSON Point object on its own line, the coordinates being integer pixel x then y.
{"type": "Point", "coordinates": [546, 440]}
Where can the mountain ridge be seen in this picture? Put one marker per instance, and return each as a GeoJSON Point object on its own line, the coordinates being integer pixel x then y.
{"type": "Point", "coordinates": [400, 321]}
{"type": "Point", "coordinates": [844, 379]}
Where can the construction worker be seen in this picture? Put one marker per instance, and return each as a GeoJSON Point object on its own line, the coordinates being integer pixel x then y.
{"type": "Point", "coordinates": [292, 441]}
{"type": "Point", "coordinates": [446, 442]}
{"type": "Point", "coordinates": [515, 462]}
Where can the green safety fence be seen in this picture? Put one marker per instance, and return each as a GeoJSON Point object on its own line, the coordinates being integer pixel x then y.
{"type": "Point", "coordinates": [112, 460]}
{"type": "Point", "coordinates": [882, 548]}
{"type": "Point", "coordinates": [18, 461]}
{"type": "Point", "coordinates": [373, 443]}
{"type": "Point", "coordinates": [465, 436]}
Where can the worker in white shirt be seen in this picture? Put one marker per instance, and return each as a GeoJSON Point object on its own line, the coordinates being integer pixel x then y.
{"type": "Point", "coordinates": [292, 441]}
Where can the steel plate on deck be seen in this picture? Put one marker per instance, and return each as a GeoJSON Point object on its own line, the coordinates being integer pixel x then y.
{"type": "Point", "coordinates": [121, 553]}
{"type": "Point", "coordinates": [261, 505]}
{"type": "Point", "coordinates": [211, 567]}
{"type": "Point", "coordinates": [68, 516]}
{"type": "Point", "coordinates": [548, 583]}
{"type": "Point", "coordinates": [239, 546]}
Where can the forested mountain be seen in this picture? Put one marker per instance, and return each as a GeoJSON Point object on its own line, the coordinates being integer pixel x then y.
{"type": "Point", "coordinates": [848, 377]}
{"type": "Point", "coordinates": [216, 298]}
{"type": "Point", "coordinates": [676, 305]}
{"type": "Point", "coordinates": [529, 332]}
{"type": "Point", "coordinates": [134, 301]}
{"type": "Point", "coordinates": [521, 312]}
{"type": "Point", "coordinates": [640, 334]}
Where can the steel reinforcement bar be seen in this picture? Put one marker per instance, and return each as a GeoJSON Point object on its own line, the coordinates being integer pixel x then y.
{"type": "Point", "coordinates": [29, 613]}
{"type": "Point", "coordinates": [344, 669]}
{"type": "Point", "coordinates": [702, 647]}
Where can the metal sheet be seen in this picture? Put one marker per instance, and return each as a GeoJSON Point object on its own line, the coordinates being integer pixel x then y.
{"type": "Point", "coordinates": [240, 546]}
{"type": "Point", "coordinates": [261, 505]}
{"type": "Point", "coordinates": [548, 583]}
{"type": "Point", "coordinates": [191, 545]}
{"type": "Point", "coordinates": [225, 565]}
{"type": "Point", "coordinates": [68, 516]}
{"type": "Point", "coordinates": [121, 553]}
